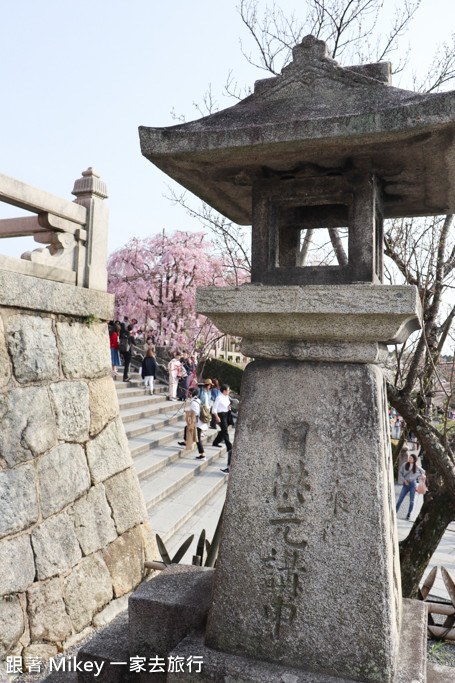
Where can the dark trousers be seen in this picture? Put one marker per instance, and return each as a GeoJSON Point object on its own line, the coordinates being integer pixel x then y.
{"type": "Point", "coordinates": [127, 361]}
{"type": "Point", "coordinates": [199, 445]}
{"type": "Point", "coordinates": [223, 434]}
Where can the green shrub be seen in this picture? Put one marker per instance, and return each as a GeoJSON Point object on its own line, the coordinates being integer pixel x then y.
{"type": "Point", "coordinates": [225, 372]}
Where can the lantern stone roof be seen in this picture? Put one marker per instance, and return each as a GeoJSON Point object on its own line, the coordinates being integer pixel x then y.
{"type": "Point", "coordinates": [317, 118]}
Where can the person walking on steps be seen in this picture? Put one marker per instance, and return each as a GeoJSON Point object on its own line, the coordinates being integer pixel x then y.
{"type": "Point", "coordinates": [184, 378]}
{"type": "Point", "coordinates": [173, 368]}
{"type": "Point", "coordinates": [205, 393]}
{"type": "Point", "coordinates": [204, 415]}
{"type": "Point", "coordinates": [148, 370]}
{"type": "Point", "coordinates": [410, 473]}
{"type": "Point", "coordinates": [195, 407]}
{"type": "Point", "coordinates": [113, 342]}
{"type": "Point", "coordinates": [220, 411]}
{"type": "Point", "coordinates": [125, 346]}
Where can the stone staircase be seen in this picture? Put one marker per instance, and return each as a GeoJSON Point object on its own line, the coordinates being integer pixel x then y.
{"type": "Point", "coordinates": [183, 495]}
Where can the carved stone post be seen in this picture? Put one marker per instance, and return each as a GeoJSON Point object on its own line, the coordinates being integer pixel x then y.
{"type": "Point", "coordinates": [91, 269]}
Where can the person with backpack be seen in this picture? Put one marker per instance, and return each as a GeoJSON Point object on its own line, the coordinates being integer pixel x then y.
{"type": "Point", "coordinates": [125, 345]}
{"type": "Point", "coordinates": [148, 370]}
{"type": "Point", "coordinates": [201, 423]}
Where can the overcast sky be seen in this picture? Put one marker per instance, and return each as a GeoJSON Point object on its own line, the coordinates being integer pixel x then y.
{"type": "Point", "coordinates": [78, 78]}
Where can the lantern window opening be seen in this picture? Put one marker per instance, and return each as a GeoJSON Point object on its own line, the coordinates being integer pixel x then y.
{"type": "Point", "coordinates": [312, 236]}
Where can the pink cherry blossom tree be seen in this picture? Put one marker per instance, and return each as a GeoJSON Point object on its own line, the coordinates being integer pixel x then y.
{"type": "Point", "coordinates": [155, 279]}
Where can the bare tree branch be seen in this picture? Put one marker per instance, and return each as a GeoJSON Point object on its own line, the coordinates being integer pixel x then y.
{"type": "Point", "coordinates": [338, 247]}
{"type": "Point", "coordinates": [441, 70]}
{"type": "Point", "coordinates": [209, 104]}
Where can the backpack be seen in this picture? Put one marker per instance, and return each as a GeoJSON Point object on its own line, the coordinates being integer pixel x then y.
{"type": "Point", "coordinates": [123, 345]}
{"type": "Point", "coordinates": [205, 415]}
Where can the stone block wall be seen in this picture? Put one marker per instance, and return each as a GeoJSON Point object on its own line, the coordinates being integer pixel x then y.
{"type": "Point", "coordinates": [73, 525]}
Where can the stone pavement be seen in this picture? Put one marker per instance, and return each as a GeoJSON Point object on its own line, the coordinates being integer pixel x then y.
{"type": "Point", "coordinates": [445, 553]}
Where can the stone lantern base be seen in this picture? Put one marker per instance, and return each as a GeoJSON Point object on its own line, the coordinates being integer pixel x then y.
{"type": "Point", "coordinates": [309, 553]}
{"type": "Point", "coordinates": [166, 619]}
{"type": "Point", "coordinates": [221, 666]}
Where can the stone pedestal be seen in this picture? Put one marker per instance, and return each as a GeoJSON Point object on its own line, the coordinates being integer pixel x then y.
{"type": "Point", "coordinates": [308, 574]}
{"type": "Point", "coordinates": [220, 666]}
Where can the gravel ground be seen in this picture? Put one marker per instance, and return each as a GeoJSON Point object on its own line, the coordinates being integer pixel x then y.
{"type": "Point", "coordinates": [441, 652]}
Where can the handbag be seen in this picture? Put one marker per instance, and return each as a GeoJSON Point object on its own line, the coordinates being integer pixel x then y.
{"type": "Point", "coordinates": [421, 487]}
{"type": "Point", "coordinates": [230, 419]}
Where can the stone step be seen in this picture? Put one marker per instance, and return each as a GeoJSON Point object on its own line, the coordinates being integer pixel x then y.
{"type": "Point", "coordinates": [191, 518]}
{"type": "Point", "coordinates": [150, 459]}
{"type": "Point", "coordinates": [157, 437]}
{"type": "Point", "coordinates": [153, 407]}
{"type": "Point", "coordinates": [127, 402]}
{"type": "Point", "coordinates": [136, 382]}
{"type": "Point", "coordinates": [135, 385]}
{"type": "Point", "coordinates": [147, 424]}
{"type": "Point", "coordinates": [191, 508]}
{"type": "Point", "coordinates": [170, 479]}
{"type": "Point", "coordinates": [127, 391]}
{"type": "Point", "coordinates": [147, 464]}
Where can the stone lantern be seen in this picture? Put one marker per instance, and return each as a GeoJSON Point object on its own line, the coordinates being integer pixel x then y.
{"type": "Point", "coordinates": [307, 584]}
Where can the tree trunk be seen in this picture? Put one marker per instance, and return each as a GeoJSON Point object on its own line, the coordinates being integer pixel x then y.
{"type": "Point", "coordinates": [416, 550]}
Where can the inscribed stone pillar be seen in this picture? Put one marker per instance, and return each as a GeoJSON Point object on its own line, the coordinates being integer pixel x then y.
{"type": "Point", "coordinates": [308, 572]}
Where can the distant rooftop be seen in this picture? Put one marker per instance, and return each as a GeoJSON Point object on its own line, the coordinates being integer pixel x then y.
{"type": "Point", "coordinates": [317, 116]}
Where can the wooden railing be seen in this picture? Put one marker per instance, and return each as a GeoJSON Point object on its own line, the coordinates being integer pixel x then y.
{"type": "Point", "coordinates": [75, 233]}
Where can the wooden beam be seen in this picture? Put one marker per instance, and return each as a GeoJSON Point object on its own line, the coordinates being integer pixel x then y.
{"type": "Point", "coordinates": [441, 632]}
{"type": "Point", "coordinates": [439, 608]}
